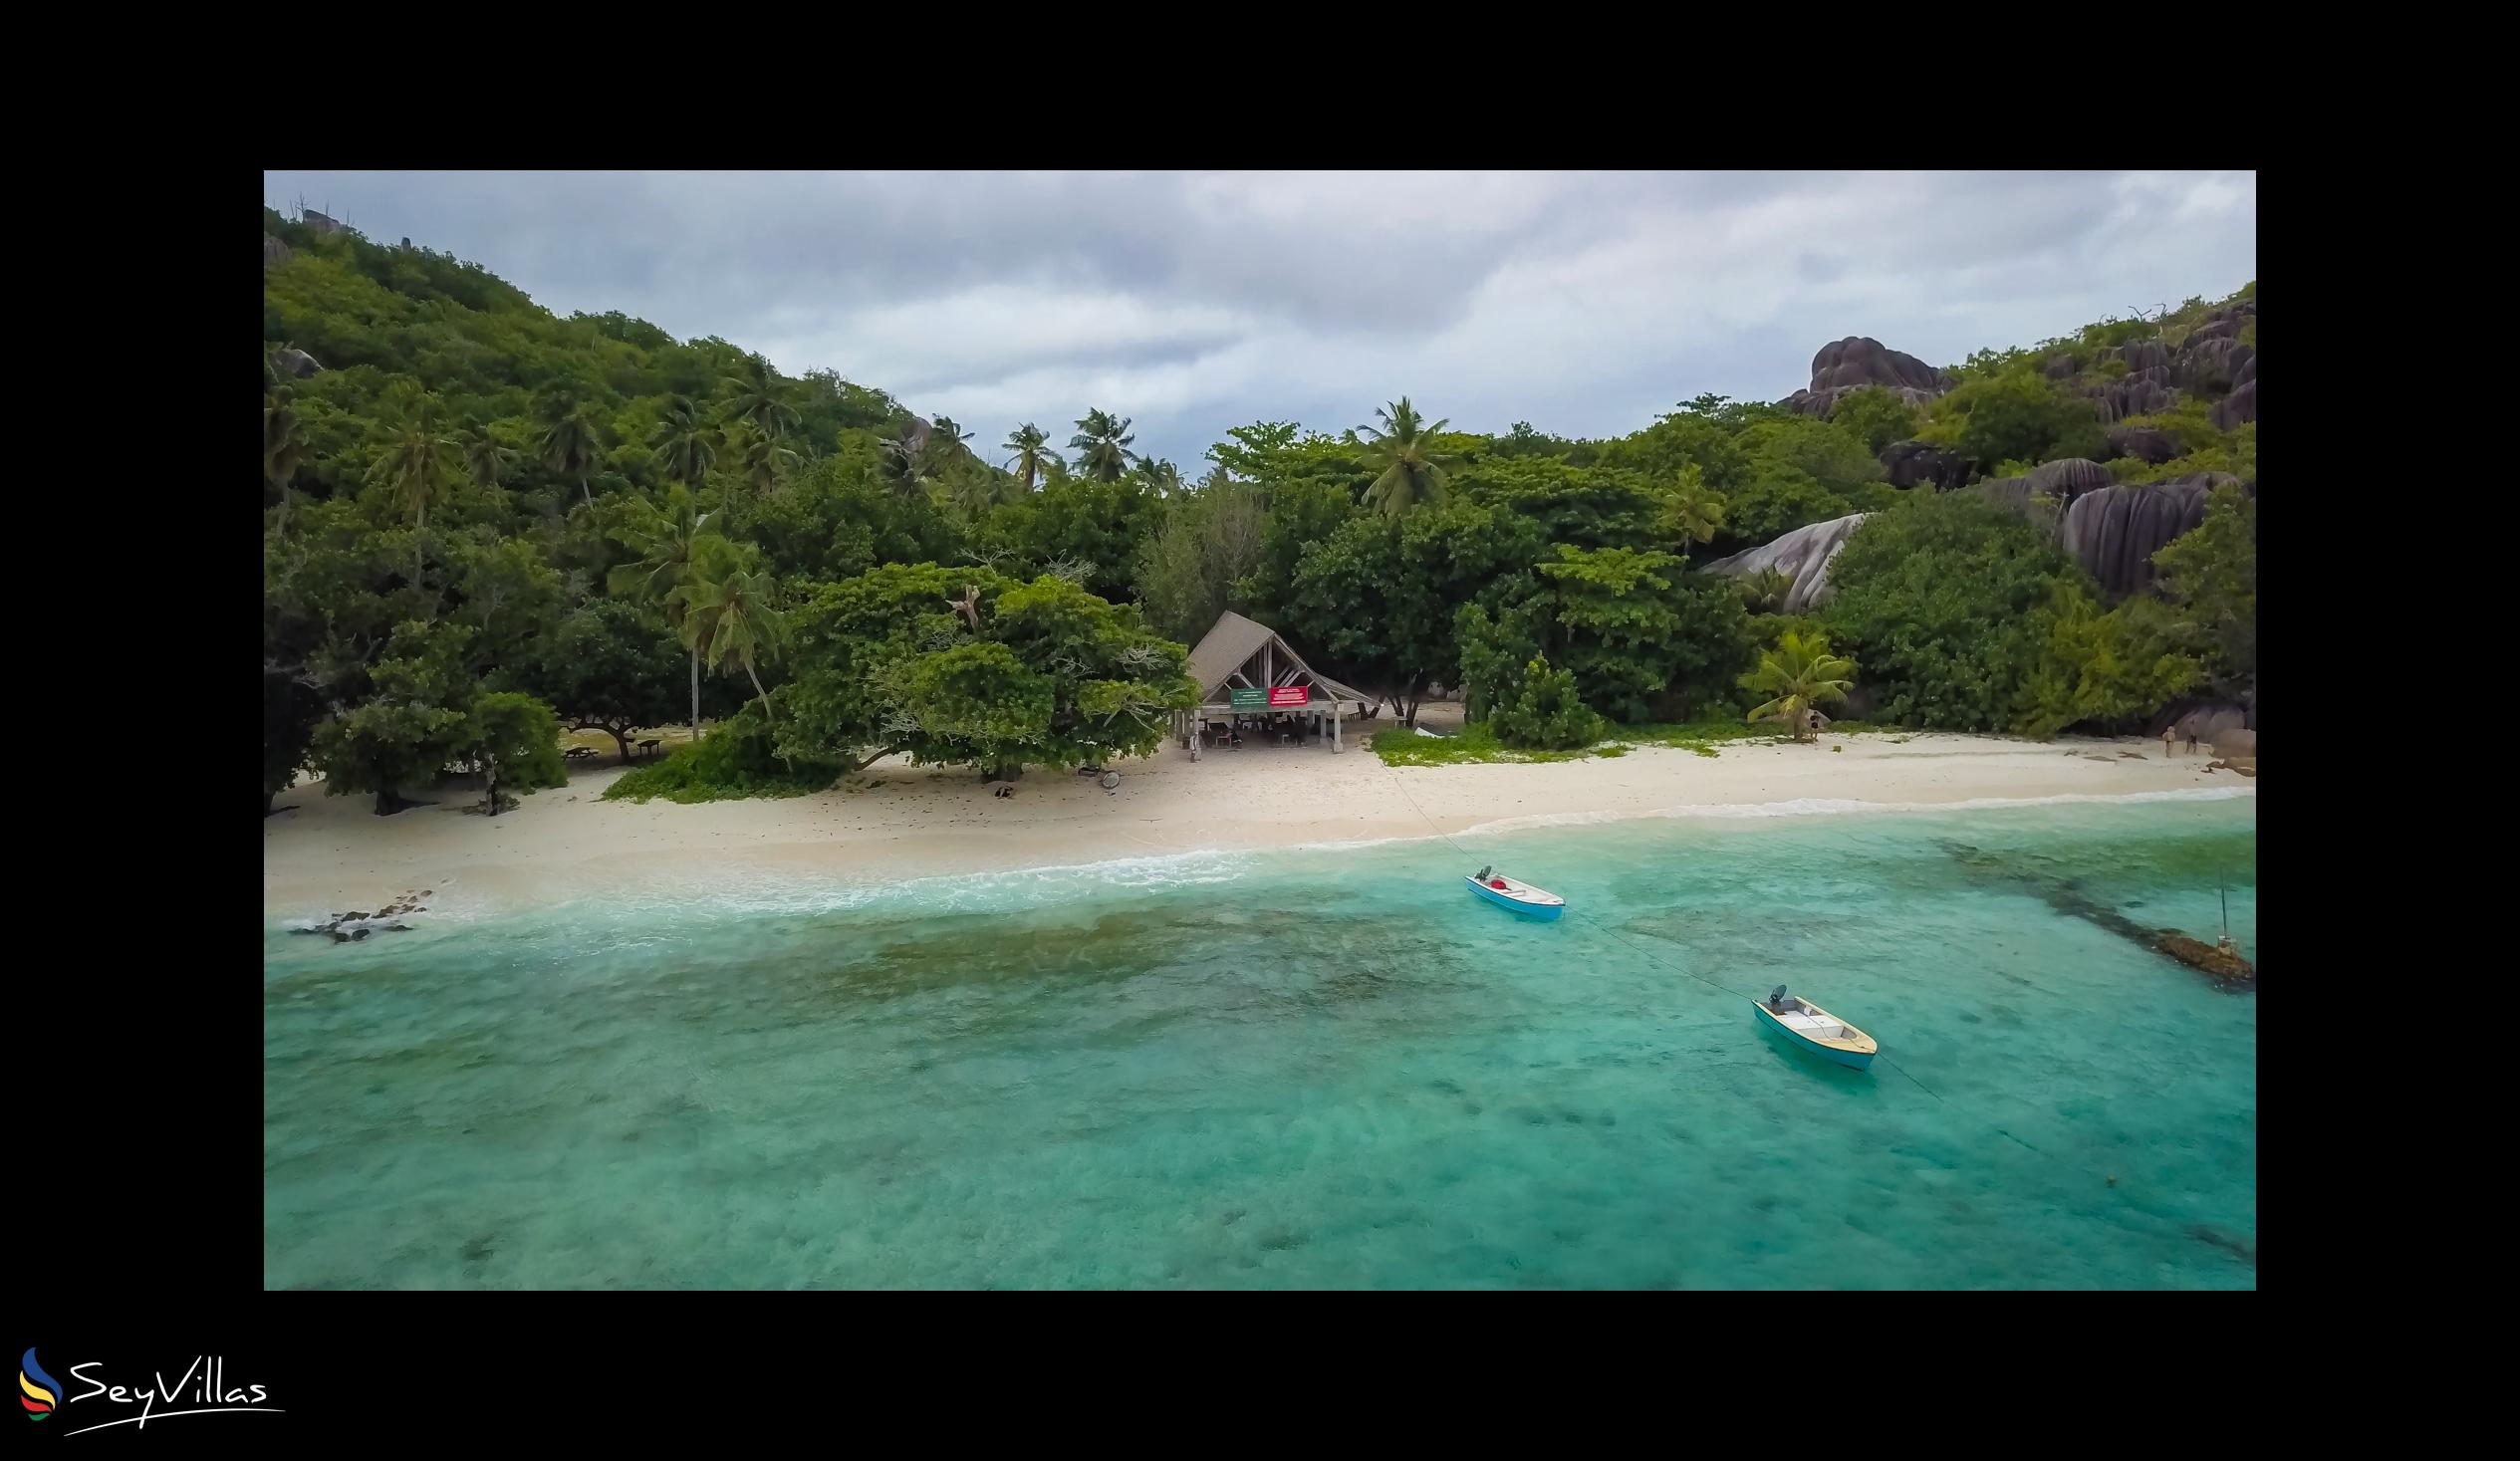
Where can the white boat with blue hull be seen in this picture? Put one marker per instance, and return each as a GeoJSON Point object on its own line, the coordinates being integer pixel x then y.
{"type": "Point", "coordinates": [1816, 1030]}
{"type": "Point", "coordinates": [1521, 897]}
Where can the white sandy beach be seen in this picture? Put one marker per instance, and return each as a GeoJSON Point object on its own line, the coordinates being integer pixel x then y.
{"type": "Point", "coordinates": [332, 853]}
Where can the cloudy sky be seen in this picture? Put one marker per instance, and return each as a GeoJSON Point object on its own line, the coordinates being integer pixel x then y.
{"type": "Point", "coordinates": [1583, 302]}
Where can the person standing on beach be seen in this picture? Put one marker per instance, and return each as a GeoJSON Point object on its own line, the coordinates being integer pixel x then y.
{"type": "Point", "coordinates": [2191, 740]}
{"type": "Point", "coordinates": [2169, 747]}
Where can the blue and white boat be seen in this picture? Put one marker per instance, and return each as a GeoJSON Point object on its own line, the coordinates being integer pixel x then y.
{"type": "Point", "coordinates": [1818, 1031]}
{"type": "Point", "coordinates": [1521, 898]}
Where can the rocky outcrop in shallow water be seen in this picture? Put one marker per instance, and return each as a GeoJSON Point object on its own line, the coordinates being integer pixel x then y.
{"type": "Point", "coordinates": [354, 926]}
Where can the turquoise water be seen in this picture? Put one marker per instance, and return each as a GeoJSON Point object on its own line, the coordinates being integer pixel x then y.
{"type": "Point", "coordinates": [1315, 1067]}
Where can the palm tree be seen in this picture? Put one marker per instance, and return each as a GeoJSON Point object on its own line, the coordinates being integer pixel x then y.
{"type": "Point", "coordinates": [1695, 513]}
{"type": "Point", "coordinates": [663, 539]}
{"type": "Point", "coordinates": [976, 491]}
{"type": "Point", "coordinates": [757, 399]}
{"type": "Point", "coordinates": [1102, 442]}
{"type": "Point", "coordinates": [685, 442]}
{"type": "Point", "coordinates": [731, 618]}
{"type": "Point", "coordinates": [904, 466]}
{"type": "Point", "coordinates": [414, 466]}
{"type": "Point", "coordinates": [1163, 477]}
{"type": "Point", "coordinates": [572, 439]}
{"type": "Point", "coordinates": [1799, 673]}
{"type": "Point", "coordinates": [761, 463]}
{"type": "Point", "coordinates": [1032, 454]}
{"type": "Point", "coordinates": [1411, 470]}
{"type": "Point", "coordinates": [949, 432]}
{"type": "Point", "coordinates": [283, 444]}
{"type": "Point", "coordinates": [1766, 591]}
{"type": "Point", "coordinates": [485, 460]}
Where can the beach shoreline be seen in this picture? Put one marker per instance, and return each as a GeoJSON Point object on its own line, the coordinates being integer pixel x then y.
{"type": "Point", "coordinates": [331, 854]}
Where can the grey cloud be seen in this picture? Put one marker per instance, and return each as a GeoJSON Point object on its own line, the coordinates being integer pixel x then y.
{"type": "Point", "coordinates": [1576, 301]}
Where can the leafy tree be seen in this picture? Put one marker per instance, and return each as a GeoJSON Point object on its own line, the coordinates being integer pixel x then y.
{"type": "Point", "coordinates": [1162, 478]}
{"type": "Point", "coordinates": [1102, 443]}
{"type": "Point", "coordinates": [1829, 454]}
{"type": "Point", "coordinates": [1775, 502]}
{"type": "Point", "coordinates": [516, 740]}
{"type": "Point", "coordinates": [1496, 651]}
{"type": "Point", "coordinates": [2108, 670]}
{"type": "Point", "coordinates": [291, 709]}
{"type": "Point", "coordinates": [1878, 417]}
{"type": "Point", "coordinates": [1031, 454]}
{"type": "Point", "coordinates": [1409, 470]}
{"type": "Point", "coordinates": [2210, 574]}
{"type": "Point", "coordinates": [837, 518]}
{"type": "Point", "coordinates": [1939, 600]}
{"type": "Point", "coordinates": [742, 759]}
{"type": "Point", "coordinates": [1093, 524]}
{"type": "Point", "coordinates": [615, 665]}
{"type": "Point", "coordinates": [1674, 443]}
{"type": "Point", "coordinates": [1797, 677]}
{"type": "Point", "coordinates": [1258, 452]}
{"type": "Point", "coordinates": [1548, 713]}
{"type": "Point", "coordinates": [1633, 627]}
{"type": "Point", "coordinates": [1588, 507]}
{"type": "Point", "coordinates": [409, 728]}
{"type": "Point", "coordinates": [283, 444]}
{"type": "Point", "coordinates": [1203, 545]}
{"type": "Point", "coordinates": [967, 666]}
{"type": "Point", "coordinates": [2014, 413]}
{"type": "Point", "coordinates": [1378, 597]}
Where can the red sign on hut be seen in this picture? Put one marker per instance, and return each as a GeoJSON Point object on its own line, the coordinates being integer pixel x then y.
{"type": "Point", "coordinates": [1290, 695]}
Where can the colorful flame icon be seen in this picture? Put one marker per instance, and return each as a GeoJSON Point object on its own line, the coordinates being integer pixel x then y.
{"type": "Point", "coordinates": [42, 1390]}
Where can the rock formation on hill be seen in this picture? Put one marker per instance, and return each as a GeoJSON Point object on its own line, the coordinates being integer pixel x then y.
{"type": "Point", "coordinates": [1858, 362]}
{"type": "Point", "coordinates": [2145, 444]}
{"type": "Point", "coordinates": [1802, 555]}
{"type": "Point", "coordinates": [2114, 531]}
{"type": "Point", "coordinates": [1913, 464]}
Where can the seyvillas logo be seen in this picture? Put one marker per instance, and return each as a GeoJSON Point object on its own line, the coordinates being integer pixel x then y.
{"type": "Point", "coordinates": [204, 1383]}
{"type": "Point", "coordinates": [42, 1392]}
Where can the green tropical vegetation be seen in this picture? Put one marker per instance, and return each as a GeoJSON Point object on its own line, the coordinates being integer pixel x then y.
{"type": "Point", "coordinates": [485, 522]}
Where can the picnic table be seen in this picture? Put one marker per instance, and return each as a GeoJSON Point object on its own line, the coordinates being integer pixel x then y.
{"type": "Point", "coordinates": [646, 748]}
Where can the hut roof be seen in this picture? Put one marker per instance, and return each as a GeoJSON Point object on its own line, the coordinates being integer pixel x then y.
{"type": "Point", "coordinates": [1229, 646]}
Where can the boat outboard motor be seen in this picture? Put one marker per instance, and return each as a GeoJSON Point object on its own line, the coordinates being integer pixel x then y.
{"type": "Point", "coordinates": [1776, 999]}
{"type": "Point", "coordinates": [1484, 872]}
